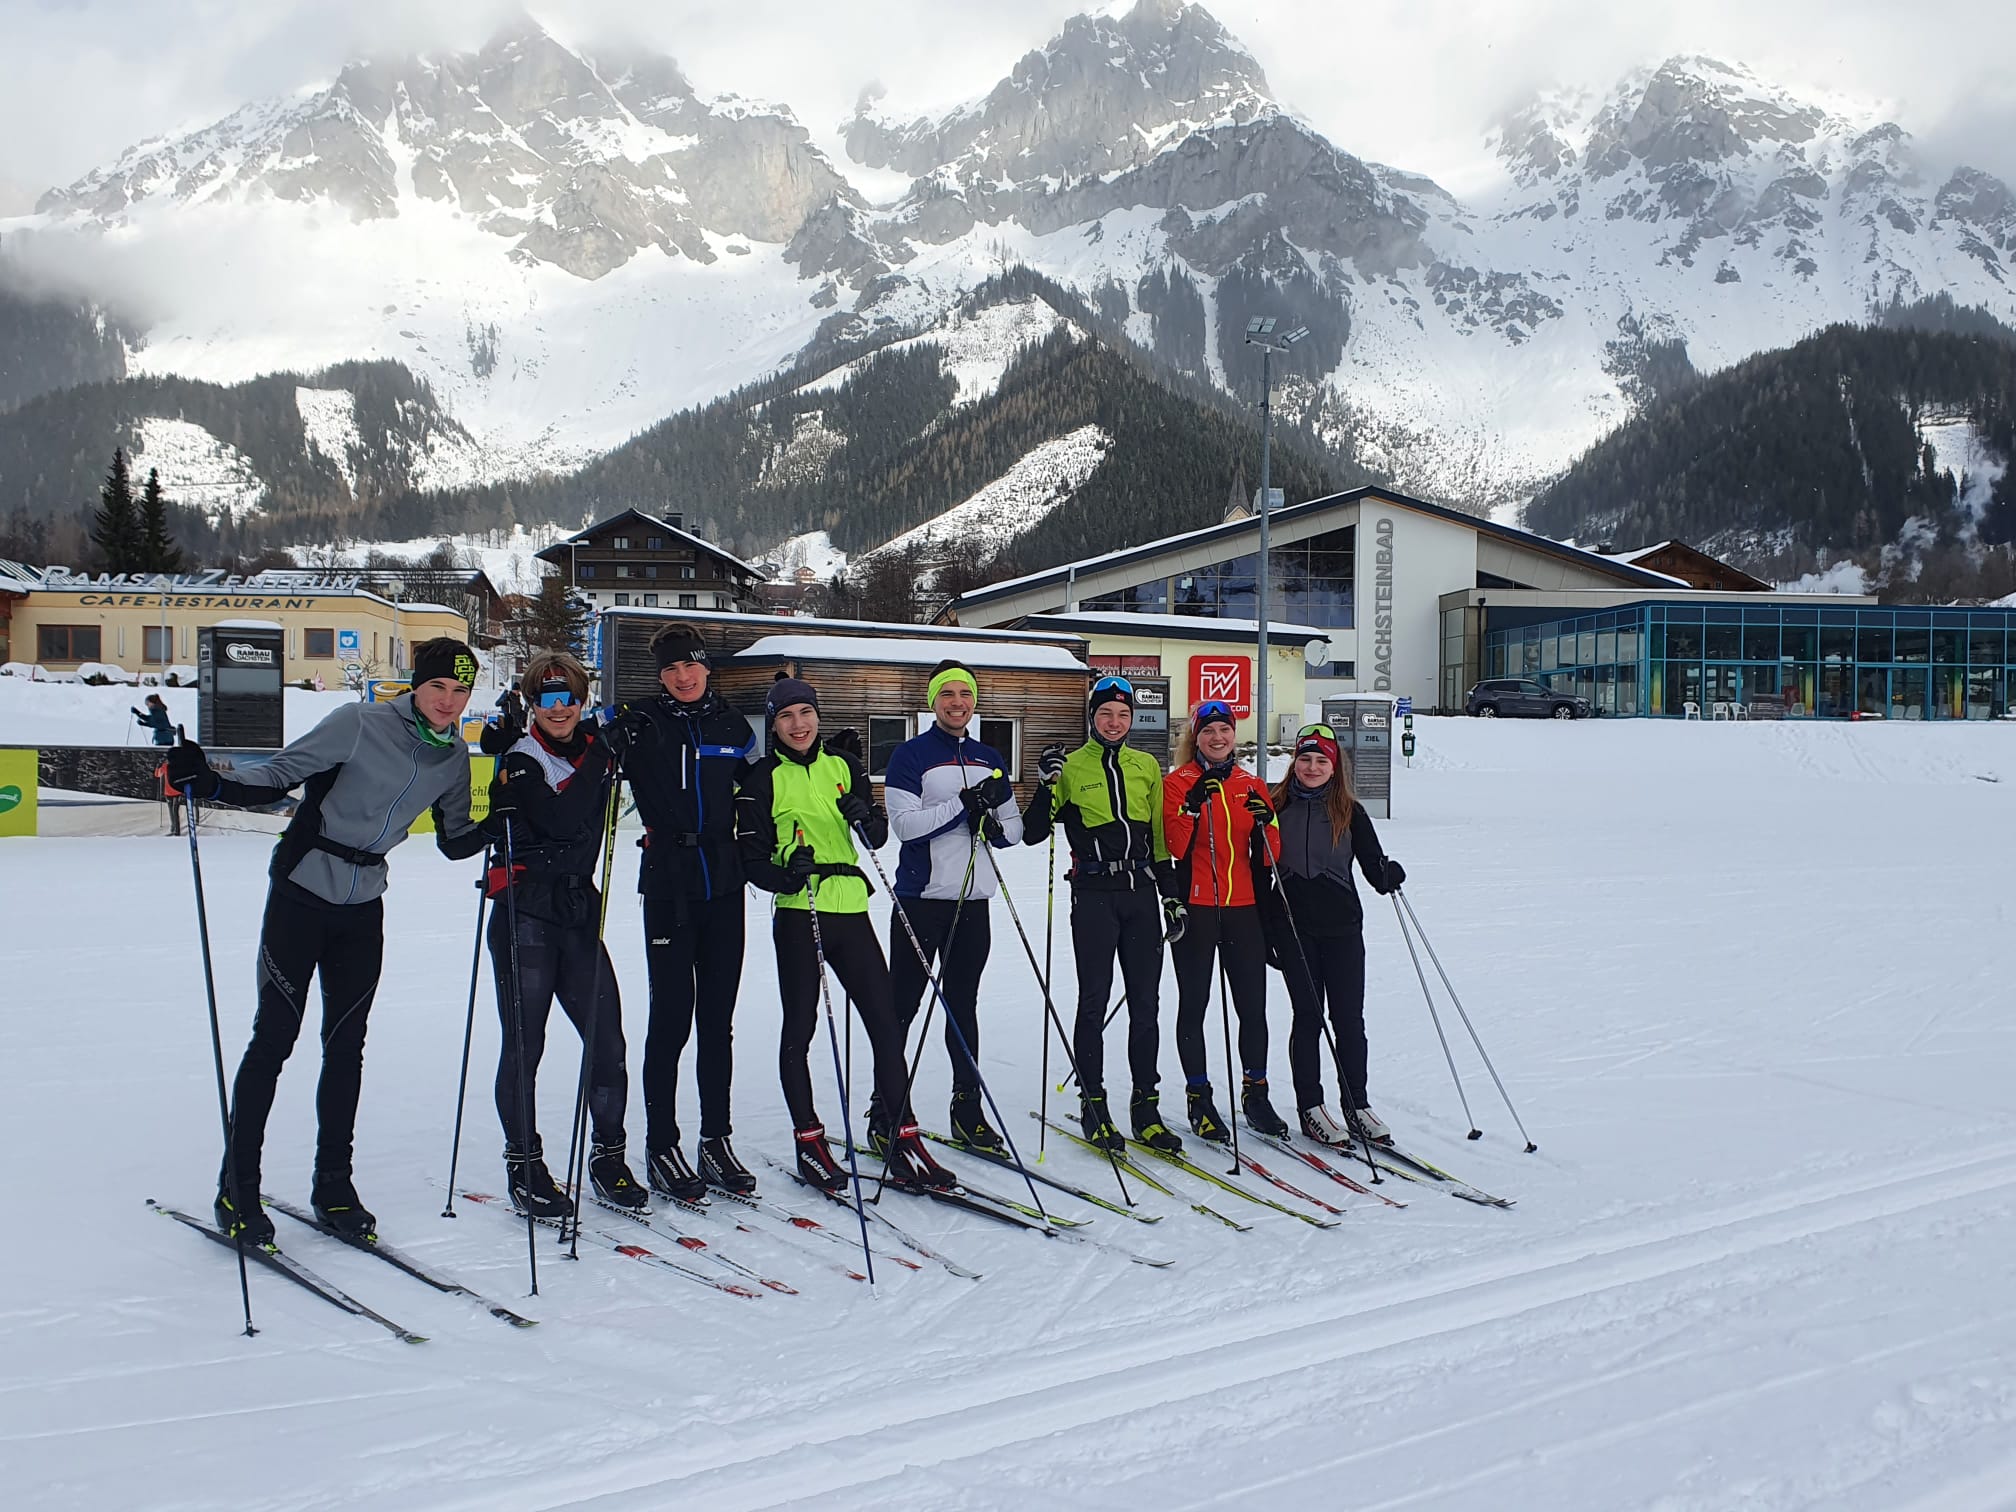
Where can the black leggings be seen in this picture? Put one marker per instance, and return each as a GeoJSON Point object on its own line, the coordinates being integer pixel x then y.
{"type": "Point", "coordinates": [1127, 923]}
{"type": "Point", "coordinates": [856, 958]}
{"type": "Point", "coordinates": [1233, 936]}
{"type": "Point", "coordinates": [298, 939]}
{"type": "Point", "coordinates": [566, 961]}
{"type": "Point", "coordinates": [1339, 964]}
{"type": "Point", "coordinates": [693, 950]}
{"type": "Point", "coordinates": [961, 955]}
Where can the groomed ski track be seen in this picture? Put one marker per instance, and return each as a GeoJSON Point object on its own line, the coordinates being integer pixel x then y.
{"type": "Point", "coordinates": [1758, 1025]}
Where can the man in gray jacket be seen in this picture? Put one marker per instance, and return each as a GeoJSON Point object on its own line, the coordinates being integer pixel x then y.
{"type": "Point", "coordinates": [368, 771]}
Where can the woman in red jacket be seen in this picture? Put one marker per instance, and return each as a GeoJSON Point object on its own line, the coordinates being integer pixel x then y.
{"type": "Point", "coordinates": [1214, 812]}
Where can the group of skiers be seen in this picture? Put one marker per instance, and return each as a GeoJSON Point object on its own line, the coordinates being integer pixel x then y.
{"type": "Point", "coordinates": [1232, 875]}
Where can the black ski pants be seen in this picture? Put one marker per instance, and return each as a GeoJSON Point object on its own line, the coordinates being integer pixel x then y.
{"type": "Point", "coordinates": [300, 938]}
{"type": "Point", "coordinates": [1125, 922]}
{"type": "Point", "coordinates": [693, 950]}
{"type": "Point", "coordinates": [1230, 937]}
{"type": "Point", "coordinates": [855, 955]}
{"type": "Point", "coordinates": [568, 962]}
{"type": "Point", "coordinates": [1338, 964]}
{"type": "Point", "coordinates": [961, 953]}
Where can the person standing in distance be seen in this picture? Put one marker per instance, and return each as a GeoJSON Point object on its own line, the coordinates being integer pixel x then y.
{"type": "Point", "coordinates": [1323, 830]}
{"type": "Point", "coordinates": [1108, 797]}
{"type": "Point", "coordinates": [1215, 812]}
{"type": "Point", "coordinates": [797, 816]}
{"type": "Point", "coordinates": [368, 770]}
{"type": "Point", "coordinates": [553, 784]}
{"type": "Point", "coordinates": [683, 753]}
{"type": "Point", "coordinates": [947, 793]}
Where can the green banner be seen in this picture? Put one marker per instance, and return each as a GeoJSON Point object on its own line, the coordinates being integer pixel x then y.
{"type": "Point", "coordinates": [17, 792]}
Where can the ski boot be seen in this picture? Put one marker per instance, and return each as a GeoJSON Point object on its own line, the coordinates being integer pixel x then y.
{"type": "Point", "coordinates": [337, 1204]}
{"type": "Point", "coordinates": [612, 1179]}
{"type": "Point", "coordinates": [815, 1161]}
{"type": "Point", "coordinates": [531, 1184]}
{"type": "Point", "coordinates": [1146, 1112]}
{"type": "Point", "coordinates": [243, 1218]}
{"type": "Point", "coordinates": [1259, 1109]}
{"type": "Point", "coordinates": [1319, 1124]}
{"type": "Point", "coordinates": [913, 1165]}
{"type": "Point", "coordinates": [720, 1168]}
{"type": "Point", "coordinates": [670, 1176]}
{"type": "Point", "coordinates": [881, 1127]}
{"type": "Point", "coordinates": [1205, 1120]}
{"type": "Point", "coordinates": [970, 1126]}
{"type": "Point", "coordinates": [1369, 1126]}
{"type": "Point", "coordinates": [1098, 1123]}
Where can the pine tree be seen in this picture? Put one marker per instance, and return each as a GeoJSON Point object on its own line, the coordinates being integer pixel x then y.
{"type": "Point", "coordinates": [115, 530]}
{"type": "Point", "coordinates": [158, 551]}
{"type": "Point", "coordinates": [550, 620]}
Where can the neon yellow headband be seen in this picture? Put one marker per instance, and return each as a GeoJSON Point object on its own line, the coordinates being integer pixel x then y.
{"type": "Point", "coordinates": [948, 676]}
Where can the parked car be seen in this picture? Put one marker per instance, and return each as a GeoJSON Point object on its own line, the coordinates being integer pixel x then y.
{"type": "Point", "coordinates": [1516, 697]}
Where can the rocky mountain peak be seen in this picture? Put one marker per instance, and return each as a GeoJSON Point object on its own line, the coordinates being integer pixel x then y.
{"type": "Point", "coordinates": [1696, 110]}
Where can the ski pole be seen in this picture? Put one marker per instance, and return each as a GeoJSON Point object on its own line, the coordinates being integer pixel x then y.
{"type": "Point", "coordinates": [216, 1040]}
{"type": "Point", "coordinates": [468, 1033]}
{"type": "Point", "coordinates": [1400, 897]}
{"type": "Point", "coordinates": [1049, 1003]}
{"type": "Point", "coordinates": [833, 1040]}
{"type": "Point", "coordinates": [518, 1032]}
{"type": "Point", "coordinates": [1218, 954]}
{"type": "Point", "coordinates": [577, 1134]}
{"type": "Point", "coordinates": [1475, 1132]}
{"type": "Point", "coordinates": [1049, 929]}
{"type": "Point", "coordinates": [952, 1019]}
{"type": "Point", "coordinates": [1346, 1090]}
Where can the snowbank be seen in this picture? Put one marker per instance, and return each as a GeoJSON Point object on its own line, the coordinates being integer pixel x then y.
{"type": "Point", "coordinates": [44, 713]}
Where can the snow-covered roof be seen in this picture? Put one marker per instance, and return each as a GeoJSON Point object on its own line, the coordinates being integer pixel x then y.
{"type": "Point", "coordinates": [1125, 621]}
{"type": "Point", "coordinates": [557, 552]}
{"type": "Point", "coordinates": [914, 653]}
{"type": "Point", "coordinates": [937, 634]}
{"type": "Point", "coordinates": [246, 624]}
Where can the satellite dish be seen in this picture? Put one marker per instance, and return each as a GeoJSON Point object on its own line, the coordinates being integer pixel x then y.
{"type": "Point", "coordinates": [1316, 653]}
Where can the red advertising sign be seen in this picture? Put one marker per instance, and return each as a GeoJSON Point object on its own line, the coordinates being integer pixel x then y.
{"type": "Point", "coordinates": [1226, 677]}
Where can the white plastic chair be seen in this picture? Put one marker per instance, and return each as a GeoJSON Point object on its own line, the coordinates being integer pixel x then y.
{"type": "Point", "coordinates": [1720, 710]}
{"type": "Point", "coordinates": [1693, 710]}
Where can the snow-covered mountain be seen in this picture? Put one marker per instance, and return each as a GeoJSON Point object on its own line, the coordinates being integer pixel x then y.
{"type": "Point", "coordinates": [569, 247]}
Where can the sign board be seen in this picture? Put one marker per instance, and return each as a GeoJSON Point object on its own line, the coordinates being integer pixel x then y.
{"type": "Point", "coordinates": [385, 689]}
{"type": "Point", "coordinates": [1226, 677]}
{"type": "Point", "coordinates": [481, 770]}
{"type": "Point", "coordinates": [18, 777]}
{"type": "Point", "coordinates": [1127, 664]}
{"type": "Point", "coordinates": [238, 686]}
{"type": "Point", "coordinates": [349, 644]}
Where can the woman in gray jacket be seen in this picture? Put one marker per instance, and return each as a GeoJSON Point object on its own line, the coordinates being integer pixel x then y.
{"type": "Point", "coordinates": [368, 771]}
{"type": "Point", "coordinates": [1323, 830]}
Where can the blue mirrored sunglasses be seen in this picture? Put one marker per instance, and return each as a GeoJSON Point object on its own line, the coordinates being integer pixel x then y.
{"type": "Point", "coordinates": [558, 698]}
{"type": "Point", "coordinates": [1213, 708]}
{"type": "Point", "coordinates": [1112, 682]}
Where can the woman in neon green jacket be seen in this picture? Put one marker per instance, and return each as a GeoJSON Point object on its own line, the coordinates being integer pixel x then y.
{"type": "Point", "coordinates": [797, 814]}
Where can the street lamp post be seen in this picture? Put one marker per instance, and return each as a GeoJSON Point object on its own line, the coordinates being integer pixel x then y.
{"type": "Point", "coordinates": [1260, 333]}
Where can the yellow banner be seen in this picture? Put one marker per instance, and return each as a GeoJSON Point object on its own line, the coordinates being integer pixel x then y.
{"type": "Point", "coordinates": [17, 792]}
{"type": "Point", "coordinates": [480, 770]}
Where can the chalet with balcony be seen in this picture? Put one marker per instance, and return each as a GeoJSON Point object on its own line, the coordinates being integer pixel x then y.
{"type": "Point", "coordinates": [645, 561]}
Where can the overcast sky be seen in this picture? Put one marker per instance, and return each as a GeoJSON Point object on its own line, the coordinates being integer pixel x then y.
{"type": "Point", "coordinates": [1407, 82]}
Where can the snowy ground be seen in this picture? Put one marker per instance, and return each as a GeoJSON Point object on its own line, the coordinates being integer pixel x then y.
{"type": "Point", "coordinates": [1748, 984]}
{"type": "Point", "coordinates": [39, 713]}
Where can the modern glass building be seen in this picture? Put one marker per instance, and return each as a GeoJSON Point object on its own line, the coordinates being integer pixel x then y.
{"type": "Point", "coordinates": [1658, 656]}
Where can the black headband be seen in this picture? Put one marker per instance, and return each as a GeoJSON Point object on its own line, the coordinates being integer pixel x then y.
{"type": "Point", "coordinates": [680, 648]}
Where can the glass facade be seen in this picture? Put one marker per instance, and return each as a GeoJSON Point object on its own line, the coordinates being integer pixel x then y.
{"type": "Point", "coordinates": [1312, 584]}
{"type": "Point", "coordinates": [1658, 657]}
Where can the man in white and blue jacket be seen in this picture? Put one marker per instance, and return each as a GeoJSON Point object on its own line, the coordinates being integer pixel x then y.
{"type": "Point", "coordinates": [946, 794]}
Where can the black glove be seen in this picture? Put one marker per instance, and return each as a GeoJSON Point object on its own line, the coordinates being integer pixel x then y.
{"type": "Point", "coordinates": [991, 831]}
{"type": "Point", "coordinates": [798, 867]}
{"type": "Point", "coordinates": [1258, 806]}
{"type": "Point", "coordinates": [991, 791]}
{"type": "Point", "coordinates": [1050, 765]}
{"type": "Point", "coordinates": [187, 764]}
{"type": "Point", "coordinates": [1200, 794]}
{"type": "Point", "coordinates": [855, 809]}
{"type": "Point", "coordinates": [1175, 916]}
{"type": "Point", "coordinates": [515, 776]}
{"type": "Point", "coordinates": [623, 732]}
{"type": "Point", "coordinates": [1396, 875]}
{"type": "Point", "coordinates": [846, 742]}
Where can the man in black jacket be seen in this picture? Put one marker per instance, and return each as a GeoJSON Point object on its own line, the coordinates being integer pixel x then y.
{"type": "Point", "coordinates": [683, 753]}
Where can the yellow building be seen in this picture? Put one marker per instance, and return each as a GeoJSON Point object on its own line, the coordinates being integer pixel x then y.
{"type": "Point", "coordinates": [148, 623]}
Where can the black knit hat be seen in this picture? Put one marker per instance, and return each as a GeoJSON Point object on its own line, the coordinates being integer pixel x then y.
{"type": "Point", "coordinates": [1110, 690]}
{"type": "Point", "coordinates": [679, 643]}
{"type": "Point", "coordinates": [787, 691]}
{"type": "Point", "coordinates": [444, 656]}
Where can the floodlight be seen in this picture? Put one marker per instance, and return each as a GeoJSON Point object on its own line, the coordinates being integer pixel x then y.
{"type": "Point", "coordinates": [1260, 325]}
{"type": "Point", "coordinates": [1294, 336]}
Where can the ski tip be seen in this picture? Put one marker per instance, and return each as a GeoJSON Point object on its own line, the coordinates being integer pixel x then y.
{"type": "Point", "coordinates": [411, 1338]}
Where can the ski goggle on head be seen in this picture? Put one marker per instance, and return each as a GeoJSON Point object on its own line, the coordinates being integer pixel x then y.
{"type": "Point", "coordinates": [1212, 708]}
{"type": "Point", "coordinates": [1113, 685]}
{"type": "Point", "coordinates": [1319, 731]}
